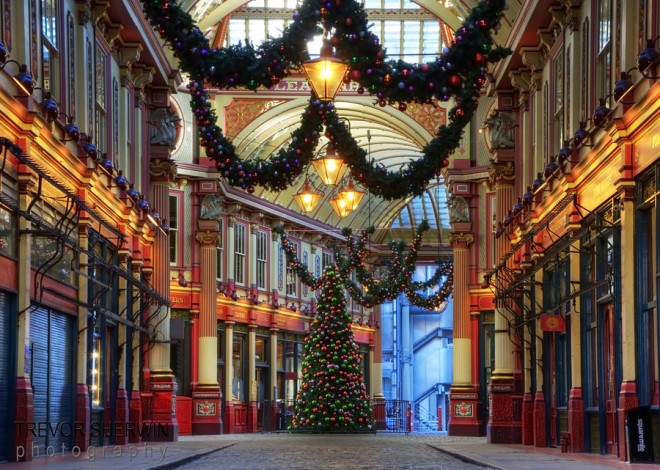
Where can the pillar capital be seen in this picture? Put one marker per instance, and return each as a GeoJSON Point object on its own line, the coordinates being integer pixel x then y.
{"type": "Point", "coordinates": [460, 239]}
{"type": "Point", "coordinates": [502, 172]}
{"type": "Point", "coordinates": [208, 238]}
{"type": "Point", "coordinates": [163, 168]}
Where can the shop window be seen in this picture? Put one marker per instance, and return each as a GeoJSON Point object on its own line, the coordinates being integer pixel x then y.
{"type": "Point", "coordinates": [238, 381]}
{"type": "Point", "coordinates": [260, 351]}
{"type": "Point", "coordinates": [291, 277]}
{"type": "Point", "coordinates": [101, 101]}
{"type": "Point", "coordinates": [7, 232]}
{"type": "Point", "coordinates": [219, 254]}
{"type": "Point", "coordinates": [262, 259]}
{"type": "Point", "coordinates": [50, 47]}
{"type": "Point", "coordinates": [326, 260]}
{"type": "Point", "coordinates": [239, 254]}
{"type": "Point", "coordinates": [173, 222]}
{"type": "Point", "coordinates": [603, 48]}
{"type": "Point", "coordinates": [95, 370]}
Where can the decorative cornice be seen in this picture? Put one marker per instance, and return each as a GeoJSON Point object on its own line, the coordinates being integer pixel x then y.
{"type": "Point", "coordinates": [208, 238]}
{"type": "Point", "coordinates": [533, 58]}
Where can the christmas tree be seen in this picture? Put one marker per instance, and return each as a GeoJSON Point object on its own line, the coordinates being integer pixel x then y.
{"type": "Point", "coordinates": [333, 396]}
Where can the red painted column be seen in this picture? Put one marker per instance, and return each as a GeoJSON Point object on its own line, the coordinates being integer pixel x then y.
{"type": "Point", "coordinates": [162, 381]}
{"type": "Point", "coordinates": [503, 426]}
{"type": "Point", "coordinates": [576, 420]}
{"type": "Point", "coordinates": [463, 396]}
{"type": "Point", "coordinates": [206, 414]}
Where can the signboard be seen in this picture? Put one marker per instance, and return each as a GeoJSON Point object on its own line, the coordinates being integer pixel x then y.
{"type": "Point", "coordinates": [552, 322]}
{"type": "Point", "coordinates": [640, 434]}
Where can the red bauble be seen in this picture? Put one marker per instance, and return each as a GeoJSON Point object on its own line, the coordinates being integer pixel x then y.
{"type": "Point", "coordinates": [479, 58]}
{"type": "Point", "coordinates": [348, 21]}
{"type": "Point", "coordinates": [355, 75]}
{"type": "Point", "coordinates": [455, 80]}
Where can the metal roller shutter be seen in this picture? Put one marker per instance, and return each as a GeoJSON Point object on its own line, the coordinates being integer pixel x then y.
{"type": "Point", "coordinates": [6, 377]}
{"type": "Point", "coordinates": [52, 378]}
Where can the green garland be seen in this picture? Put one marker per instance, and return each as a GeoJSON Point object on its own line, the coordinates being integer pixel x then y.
{"type": "Point", "coordinates": [369, 290]}
{"type": "Point", "coordinates": [459, 72]}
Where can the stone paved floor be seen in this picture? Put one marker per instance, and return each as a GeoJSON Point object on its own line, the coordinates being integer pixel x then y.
{"type": "Point", "coordinates": [278, 451]}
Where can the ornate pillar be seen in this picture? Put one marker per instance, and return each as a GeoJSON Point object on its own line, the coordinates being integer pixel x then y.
{"type": "Point", "coordinates": [628, 397]}
{"type": "Point", "coordinates": [575, 397]}
{"type": "Point", "coordinates": [122, 400]}
{"type": "Point", "coordinates": [162, 381]}
{"type": "Point", "coordinates": [463, 420]}
{"type": "Point", "coordinates": [405, 361]}
{"type": "Point", "coordinates": [206, 395]}
{"type": "Point", "coordinates": [252, 378]}
{"type": "Point", "coordinates": [229, 375]}
{"type": "Point", "coordinates": [24, 404]}
{"type": "Point", "coordinates": [539, 409]}
{"type": "Point", "coordinates": [503, 427]}
{"type": "Point", "coordinates": [135, 412]}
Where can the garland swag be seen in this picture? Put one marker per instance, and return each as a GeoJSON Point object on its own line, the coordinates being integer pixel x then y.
{"type": "Point", "coordinates": [370, 290]}
{"type": "Point", "coordinates": [458, 72]}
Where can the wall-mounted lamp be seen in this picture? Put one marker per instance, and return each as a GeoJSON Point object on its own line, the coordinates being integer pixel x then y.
{"type": "Point", "coordinates": [154, 218]}
{"type": "Point", "coordinates": [508, 218]}
{"type": "Point", "coordinates": [517, 208]}
{"type": "Point", "coordinates": [622, 85]}
{"type": "Point", "coordinates": [182, 280]}
{"type": "Point", "coordinates": [485, 284]}
{"type": "Point", "coordinates": [142, 204]}
{"type": "Point", "coordinates": [23, 79]}
{"type": "Point", "coordinates": [580, 134]}
{"type": "Point", "coordinates": [538, 182]}
{"type": "Point", "coordinates": [564, 153]}
{"type": "Point", "coordinates": [165, 227]}
{"type": "Point", "coordinates": [648, 57]}
{"type": "Point", "coordinates": [48, 104]}
{"type": "Point", "coordinates": [500, 230]}
{"type": "Point", "coordinates": [71, 129]}
{"type": "Point", "coordinates": [550, 167]}
{"type": "Point", "coordinates": [88, 147]}
{"type": "Point", "coordinates": [106, 163]}
{"type": "Point", "coordinates": [600, 113]}
{"type": "Point", "coordinates": [133, 193]}
{"type": "Point", "coordinates": [121, 181]}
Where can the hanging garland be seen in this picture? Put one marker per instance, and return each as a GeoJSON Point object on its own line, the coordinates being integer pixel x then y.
{"type": "Point", "coordinates": [459, 72]}
{"type": "Point", "coordinates": [370, 290]}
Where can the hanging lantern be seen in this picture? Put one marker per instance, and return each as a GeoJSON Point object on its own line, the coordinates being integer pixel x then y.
{"type": "Point", "coordinates": [326, 73]}
{"type": "Point", "coordinates": [339, 206]}
{"type": "Point", "coordinates": [306, 197]}
{"type": "Point", "coordinates": [330, 168]}
{"type": "Point", "coordinates": [350, 195]}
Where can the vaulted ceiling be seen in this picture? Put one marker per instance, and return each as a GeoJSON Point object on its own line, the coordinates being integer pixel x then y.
{"type": "Point", "coordinates": [390, 137]}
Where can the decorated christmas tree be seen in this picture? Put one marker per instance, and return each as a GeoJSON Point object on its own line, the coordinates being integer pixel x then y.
{"type": "Point", "coordinates": [333, 396]}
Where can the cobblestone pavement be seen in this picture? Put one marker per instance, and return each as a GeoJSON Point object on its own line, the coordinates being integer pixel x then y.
{"type": "Point", "coordinates": [278, 451]}
{"type": "Point", "coordinates": [330, 452]}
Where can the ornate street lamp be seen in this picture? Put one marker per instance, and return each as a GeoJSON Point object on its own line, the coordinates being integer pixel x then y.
{"type": "Point", "coordinates": [330, 168]}
{"type": "Point", "coordinates": [350, 195]}
{"type": "Point", "coordinates": [339, 206]}
{"type": "Point", "coordinates": [307, 197]}
{"type": "Point", "coordinates": [326, 73]}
